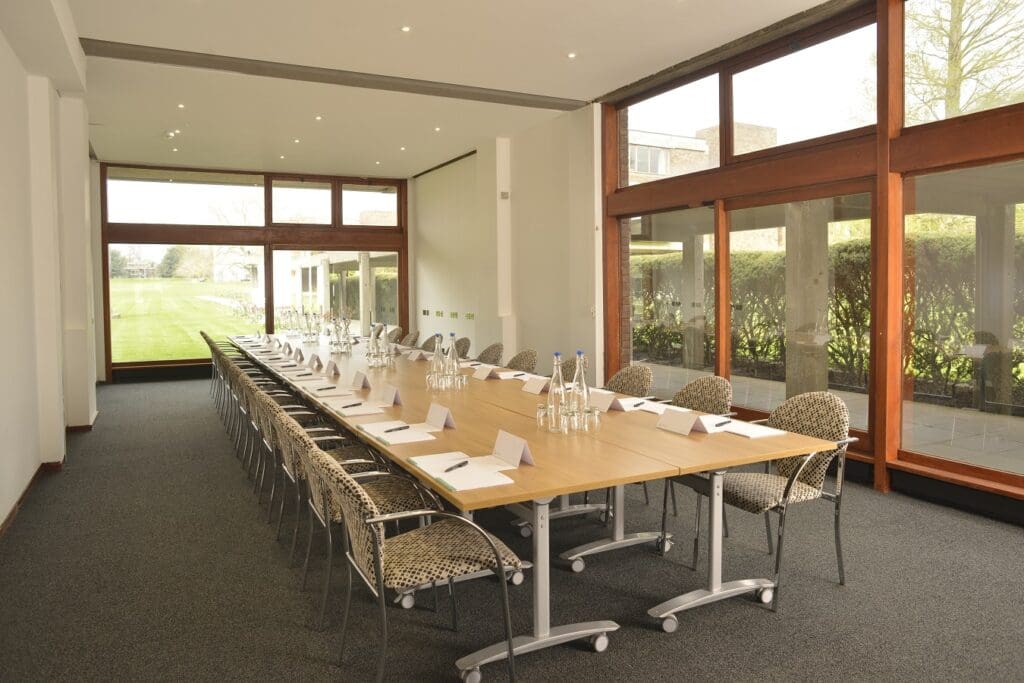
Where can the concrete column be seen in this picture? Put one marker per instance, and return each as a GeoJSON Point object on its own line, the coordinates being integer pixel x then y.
{"type": "Point", "coordinates": [691, 298]}
{"type": "Point", "coordinates": [365, 293]}
{"type": "Point", "coordinates": [46, 270]}
{"type": "Point", "coordinates": [995, 286]}
{"type": "Point", "coordinates": [807, 296]}
{"type": "Point", "coordinates": [79, 368]}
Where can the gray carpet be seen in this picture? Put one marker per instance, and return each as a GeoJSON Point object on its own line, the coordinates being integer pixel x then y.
{"type": "Point", "coordinates": [147, 558]}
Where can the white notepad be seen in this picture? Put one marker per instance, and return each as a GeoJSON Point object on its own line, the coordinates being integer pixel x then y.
{"type": "Point", "coordinates": [379, 431]}
{"type": "Point", "coordinates": [751, 431]}
{"type": "Point", "coordinates": [364, 408]}
{"type": "Point", "coordinates": [478, 474]}
{"type": "Point", "coordinates": [317, 391]}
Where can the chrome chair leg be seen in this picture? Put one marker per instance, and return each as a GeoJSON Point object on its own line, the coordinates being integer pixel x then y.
{"type": "Point", "coordinates": [768, 529]}
{"type": "Point", "coordinates": [451, 600]}
{"type": "Point", "coordinates": [327, 578]}
{"type": "Point", "coordinates": [778, 559]}
{"type": "Point", "coordinates": [298, 519]}
{"type": "Point", "coordinates": [344, 610]}
{"type": "Point", "coordinates": [309, 547]}
{"type": "Point", "coordinates": [280, 509]}
{"type": "Point", "coordinates": [382, 657]}
{"type": "Point", "coordinates": [839, 549]}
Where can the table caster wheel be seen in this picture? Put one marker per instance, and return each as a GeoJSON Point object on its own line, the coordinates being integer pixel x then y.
{"type": "Point", "coordinates": [471, 675]}
{"type": "Point", "coordinates": [765, 595]}
{"type": "Point", "coordinates": [517, 578]}
{"type": "Point", "coordinates": [663, 545]}
{"type": "Point", "coordinates": [408, 601]}
{"type": "Point", "coordinates": [578, 565]}
{"type": "Point", "coordinates": [526, 530]}
{"type": "Point", "coordinates": [599, 642]}
{"type": "Point", "coordinates": [669, 624]}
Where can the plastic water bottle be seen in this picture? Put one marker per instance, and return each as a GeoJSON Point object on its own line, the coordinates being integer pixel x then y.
{"type": "Point", "coordinates": [451, 362]}
{"type": "Point", "coordinates": [556, 399]}
{"type": "Point", "coordinates": [580, 395]}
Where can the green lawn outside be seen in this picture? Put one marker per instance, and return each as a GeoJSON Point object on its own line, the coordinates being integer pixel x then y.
{"type": "Point", "coordinates": [160, 318]}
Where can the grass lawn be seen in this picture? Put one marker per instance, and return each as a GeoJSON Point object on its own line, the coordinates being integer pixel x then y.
{"type": "Point", "coordinates": [160, 318]}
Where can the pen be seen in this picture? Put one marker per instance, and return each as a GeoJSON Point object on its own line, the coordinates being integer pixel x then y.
{"type": "Point", "coordinates": [722, 424]}
{"type": "Point", "coordinates": [304, 374]}
{"type": "Point", "coordinates": [353, 405]}
{"type": "Point", "coordinates": [519, 374]}
{"type": "Point", "coordinates": [638, 403]}
{"type": "Point", "coordinates": [396, 429]}
{"type": "Point", "coordinates": [455, 467]}
{"type": "Point", "coordinates": [473, 365]}
{"type": "Point", "coordinates": [325, 388]}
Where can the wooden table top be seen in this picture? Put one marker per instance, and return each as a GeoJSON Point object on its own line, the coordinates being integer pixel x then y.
{"type": "Point", "coordinates": [626, 449]}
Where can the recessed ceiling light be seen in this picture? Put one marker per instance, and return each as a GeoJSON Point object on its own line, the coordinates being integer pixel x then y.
{"type": "Point", "coordinates": [406, 29]}
{"type": "Point", "coordinates": [437, 129]}
{"type": "Point", "coordinates": [177, 132]}
{"type": "Point", "coordinates": [318, 117]}
{"type": "Point", "coordinates": [377, 162]}
{"type": "Point", "coordinates": [296, 141]}
{"type": "Point", "coordinates": [402, 148]}
{"type": "Point", "coordinates": [181, 106]}
{"type": "Point", "coordinates": [282, 156]}
{"type": "Point", "coordinates": [174, 149]}
{"type": "Point", "coordinates": [571, 55]}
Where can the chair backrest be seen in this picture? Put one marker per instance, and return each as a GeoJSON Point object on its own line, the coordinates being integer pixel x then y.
{"type": "Point", "coordinates": [411, 338]}
{"type": "Point", "coordinates": [709, 394]}
{"type": "Point", "coordinates": [394, 335]}
{"type": "Point", "coordinates": [635, 380]}
{"type": "Point", "coordinates": [492, 354]}
{"type": "Point", "coordinates": [428, 345]}
{"type": "Point", "coordinates": [818, 414]}
{"type": "Point", "coordinates": [377, 329]}
{"type": "Point", "coordinates": [525, 361]}
{"type": "Point", "coordinates": [462, 347]}
{"type": "Point", "coordinates": [356, 506]}
{"type": "Point", "coordinates": [568, 368]}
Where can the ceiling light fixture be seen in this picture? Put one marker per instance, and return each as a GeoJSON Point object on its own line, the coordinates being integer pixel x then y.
{"type": "Point", "coordinates": [571, 55]}
{"type": "Point", "coordinates": [296, 141]}
{"type": "Point", "coordinates": [181, 106]}
{"type": "Point", "coordinates": [174, 149]}
{"type": "Point", "coordinates": [402, 149]}
{"type": "Point", "coordinates": [406, 29]}
{"type": "Point", "coordinates": [282, 156]}
{"type": "Point", "coordinates": [437, 129]}
{"type": "Point", "coordinates": [377, 162]}
{"type": "Point", "coordinates": [318, 117]}
{"type": "Point", "coordinates": [177, 132]}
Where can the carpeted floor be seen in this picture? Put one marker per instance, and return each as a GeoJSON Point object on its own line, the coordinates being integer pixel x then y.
{"type": "Point", "coordinates": [147, 558]}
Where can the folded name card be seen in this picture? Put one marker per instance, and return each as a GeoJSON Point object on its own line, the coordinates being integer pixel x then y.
{"type": "Point", "coordinates": [389, 397]}
{"type": "Point", "coordinates": [605, 400]}
{"type": "Point", "coordinates": [536, 384]}
{"type": "Point", "coordinates": [287, 349]}
{"type": "Point", "coordinates": [483, 372]}
{"type": "Point", "coordinates": [511, 449]}
{"type": "Point", "coordinates": [417, 354]}
{"type": "Point", "coordinates": [332, 369]}
{"type": "Point", "coordinates": [360, 380]}
{"type": "Point", "coordinates": [314, 363]}
{"type": "Point", "coordinates": [678, 420]}
{"type": "Point", "coordinates": [709, 424]}
{"type": "Point", "coordinates": [438, 417]}
{"type": "Point", "coordinates": [297, 356]}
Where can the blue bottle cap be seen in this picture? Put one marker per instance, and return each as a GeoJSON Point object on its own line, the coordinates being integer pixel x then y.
{"type": "Point", "coordinates": [558, 354]}
{"type": "Point", "coordinates": [579, 352]}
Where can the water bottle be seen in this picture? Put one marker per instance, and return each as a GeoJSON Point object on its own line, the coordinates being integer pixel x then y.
{"type": "Point", "coordinates": [581, 394]}
{"type": "Point", "coordinates": [451, 363]}
{"type": "Point", "coordinates": [556, 398]}
{"type": "Point", "coordinates": [434, 377]}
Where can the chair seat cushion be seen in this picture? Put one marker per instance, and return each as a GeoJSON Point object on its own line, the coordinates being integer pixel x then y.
{"type": "Point", "coordinates": [440, 551]}
{"type": "Point", "coordinates": [352, 452]}
{"type": "Point", "coordinates": [393, 494]}
{"type": "Point", "coordinates": [756, 492]}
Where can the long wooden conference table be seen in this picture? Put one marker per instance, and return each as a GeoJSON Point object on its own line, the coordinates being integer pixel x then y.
{"type": "Point", "coordinates": [627, 449]}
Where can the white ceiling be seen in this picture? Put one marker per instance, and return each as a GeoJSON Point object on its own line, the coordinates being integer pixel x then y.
{"type": "Point", "coordinates": [517, 46]}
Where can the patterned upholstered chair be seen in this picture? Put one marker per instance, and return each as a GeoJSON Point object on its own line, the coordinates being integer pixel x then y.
{"type": "Point", "coordinates": [492, 354]}
{"type": "Point", "coordinates": [798, 479]}
{"type": "Point", "coordinates": [462, 347]}
{"type": "Point", "coordinates": [635, 380]}
{"type": "Point", "coordinates": [446, 549]}
{"type": "Point", "coordinates": [411, 338]}
{"type": "Point", "coordinates": [376, 330]}
{"type": "Point", "coordinates": [568, 368]}
{"type": "Point", "coordinates": [394, 335]}
{"type": "Point", "coordinates": [389, 492]}
{"type": "Point", "coordinates": [525, 361]}
{"type": "Point", "coordinates": [428, 344]}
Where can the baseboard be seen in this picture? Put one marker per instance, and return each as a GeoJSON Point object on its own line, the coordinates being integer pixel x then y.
{"type": "Point", "coordinates": [78, 428]}
{"type": "Point", "coordinates": [52, 466]}
{"type": "Point", "coordinates": [945, 493]}
{"type": "Point", "coordinates": [43, 468]}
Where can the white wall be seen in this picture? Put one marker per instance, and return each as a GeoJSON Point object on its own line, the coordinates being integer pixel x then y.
{"type": "Point", "coordinates": [19, 423]}
{"type": "Point", "coordinates": [528, 265]}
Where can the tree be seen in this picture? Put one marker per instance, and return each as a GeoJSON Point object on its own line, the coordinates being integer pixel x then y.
{"type": "Point", "coordinates": [118, 264]}
{"type": "Point", "coordinates": [196, 262]}
{"type": "Point", "coordinates": [962, 56]}
{"type": "Point", "coordinates": [169, 264]}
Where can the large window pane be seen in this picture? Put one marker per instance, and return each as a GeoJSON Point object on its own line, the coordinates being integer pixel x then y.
{"type": "Point", "coordinates": [162, 295]}
{"type": "Point", "coordinates": [964, 315]}
{"type": "Point", "coordinates": [673, 133]}
{"type": "Point", "coordinates": [330, 282]}
{"type": "Point", "coordinates": [801, 301]}
{"type": "Point", "coordinates": [672, 283]}
{"type": "Point", "coordinates": [369, 205]}
{"type": "Point", "coordinates": [826, 88]}
{"type": "Point", "coordinates": [301, 201]}
{"type": "Point", "coordinates": [144, 195]}
{"type": "Point", "coordinates": [962, 56]}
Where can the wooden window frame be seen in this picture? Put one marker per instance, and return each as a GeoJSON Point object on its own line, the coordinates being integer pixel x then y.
{"type": "Point", "coordinates": [270, 236]}
{"type": "Point", "coordinates": [874, 157]}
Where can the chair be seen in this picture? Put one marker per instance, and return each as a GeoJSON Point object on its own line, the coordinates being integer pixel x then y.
{"type": "Point", "coordinates": [568, 368]}
{"type": "Point", "coordinates": [428, 345]}
{"type": "Point", "coordinates": [635, 380]}
{"type": "Point", "coordinates": [525, 361]}
{"type": "Point", "coordinates": [411, 338]}
{"type": "Point", "coordinates": [439, 552]}
{"type": "Point", "coordinates": [798, 479]}
{"type": "Point", "coordinates": [394, 335]}
{"type": "Point", "coordinates": [492, 354]}
{"type": "Point", "coordinates": [462, 347]}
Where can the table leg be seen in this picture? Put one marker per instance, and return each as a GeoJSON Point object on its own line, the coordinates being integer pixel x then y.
{"type": "Point", "coordinates": [716, 590]}
{"type": "Point", "coordinates": [544, 635]}
{"type": "Point", "coordinates": [619, 538]}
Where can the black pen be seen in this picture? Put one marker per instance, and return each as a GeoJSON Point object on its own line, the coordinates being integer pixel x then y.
{"type": "Point", "coordinates": [473, 365]}
{"type": "Point", "coordinates": [353, 405]}
{"type": "Point", "coordinates": [455, 467]}
{"type": "Point", "coordinates": [519, 374]}
{"type": "Point", "coordinates": [304, 374]}
{"type": "Point", "coordinates": [722, 424]}
{"type": "Point", "coordinates": [396, 429]}
{"type": "Point", "coordinates": [325, 388]}
{"type": "Point", "coordinates": [638, 403]}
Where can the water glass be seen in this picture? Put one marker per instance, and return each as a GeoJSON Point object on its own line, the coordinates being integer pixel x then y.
{"type": "Point", "coordinates": [542, 415]}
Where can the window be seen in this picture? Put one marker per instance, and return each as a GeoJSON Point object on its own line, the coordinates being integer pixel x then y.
{"type": "Point", "coordinates": [301, 202]}
{"type": "Point", "coordinates": [369, 205]}
{"type": "Point", "coordinates": [962, 57]}
{"type": "Point", "coordinates": [801, 301]}
{"type": "Point", "coordinates": [963, 395]}
{"type": "Point", "coordinates": [823, 89]}
{"type": "Point", "coordinates": [672, 289]}
{"type": "Point", "coordinates": [162, 295]}
{"type": "Point", "coordinates": [331, 283]}
{"type": "Point", "coordinates": [145, 195]}
{"type": "Point", "coordinates": [679, 128]}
